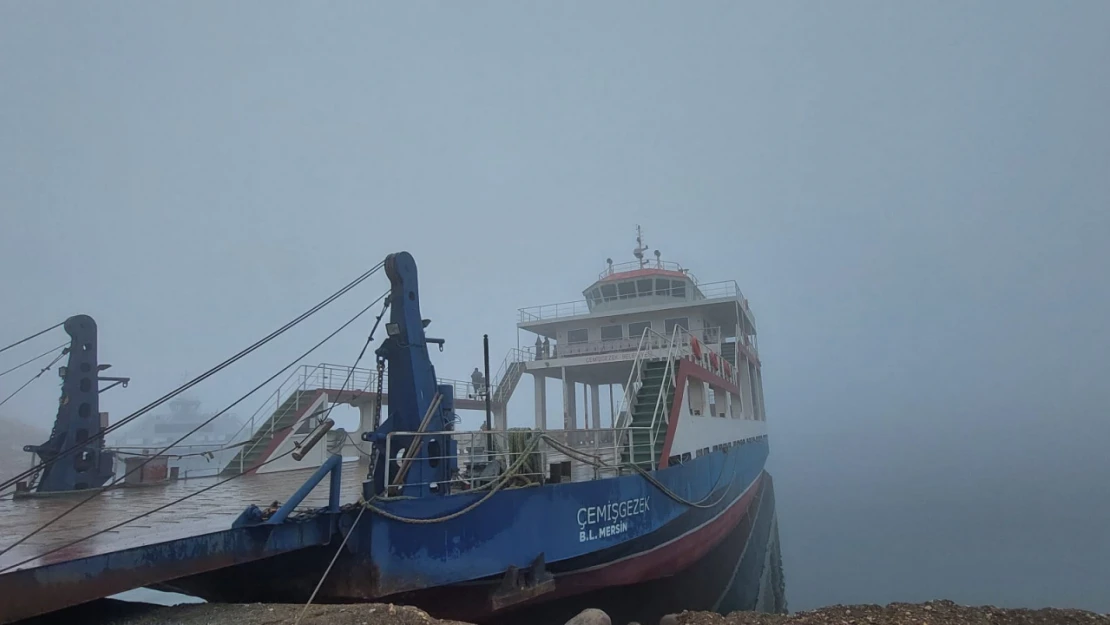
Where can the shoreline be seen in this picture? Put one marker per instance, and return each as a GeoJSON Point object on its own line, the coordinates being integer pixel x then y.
{"type": "Point", "coordinates": [112, 612]}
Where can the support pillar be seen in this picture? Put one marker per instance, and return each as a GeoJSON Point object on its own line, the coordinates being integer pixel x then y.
{"type": "Point", "coordinates": [570, 404]}
{"type": "Point", "coordinates": [746, 394]}
{"type": "Point", "coordinates": [595, 404]}
{"type": "Point", "coordinates": [759, 394]}
{"type": "Point", "coordinates": [541, 401]}
{"type": "Point", "coordinates": [612, 409]}
{"type": "Point", "coordinates": [585, 406]}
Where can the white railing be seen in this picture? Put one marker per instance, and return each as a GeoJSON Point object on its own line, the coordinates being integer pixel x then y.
{"type": "Point", "coordinates": [664, 388]}
{"type": "Point", "coordinates": [720, 290]}
{"type": "Point", "coordinates": [324, 376]}
{"type": "Point", "coordinates": [193, 460]}
{"type": "Point", "coordinates": [515, 356]}
{"type": "Point", "coordinates": [651, 344]}
{"type": "Point", "coordinates": [635, 265]}
{"type": "Point", "coordinates": [657, 346]}
{"type": "Point", "coordinates": [707, 336]}
{"type": "Point", "coordinates": [725, 289]}
{"type": "Point", "coordinates": [554, 311]}
{"type": "Point", "coordinates": [595, 454]}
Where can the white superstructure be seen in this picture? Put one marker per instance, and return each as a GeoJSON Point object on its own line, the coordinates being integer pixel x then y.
{"type": "Point", "coordinates": [591, 344]}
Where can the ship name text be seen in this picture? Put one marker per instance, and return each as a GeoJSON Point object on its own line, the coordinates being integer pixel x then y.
{"type": "Point", "coordinates": [609, 519]}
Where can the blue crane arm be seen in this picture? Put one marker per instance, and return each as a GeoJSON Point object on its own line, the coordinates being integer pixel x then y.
{"type": "Point", "coordinates": [412, 390]}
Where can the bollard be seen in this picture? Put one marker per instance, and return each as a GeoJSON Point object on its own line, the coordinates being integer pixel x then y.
{"type": "Point", "coordinates": [590, 616]}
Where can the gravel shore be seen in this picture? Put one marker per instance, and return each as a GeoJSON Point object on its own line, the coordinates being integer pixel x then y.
{"type": "Point", "coordinates": [932, 613]}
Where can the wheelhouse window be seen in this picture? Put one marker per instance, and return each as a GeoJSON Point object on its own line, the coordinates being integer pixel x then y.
{"type": "Point", "coordinates": [662, 286]}
{"type": "Point", "coordinates": [644, 287]}
{"type": "Point", "coordinates": [608, 292]}
{"type": "Point", "coordinates": [678, 289]}
{"type": "Point", "coordinates": [578, 336]}
{"type": "Point", "coordinates": [626, 290]}
{"type": "Point", "coordinates": [595, 296]}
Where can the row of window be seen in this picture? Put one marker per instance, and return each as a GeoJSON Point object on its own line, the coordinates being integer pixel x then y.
{"type": "Point", "coordinates": [617, 332]}
{"type": "Point", "coordinates": [644, 287]}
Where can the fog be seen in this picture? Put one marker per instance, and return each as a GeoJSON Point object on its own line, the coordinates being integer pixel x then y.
{"type": "Point", "coordinates": [914, 197]}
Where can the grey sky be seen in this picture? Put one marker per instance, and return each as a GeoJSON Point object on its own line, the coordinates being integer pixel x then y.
{"type": "Point", "coordinates": [914, 196]}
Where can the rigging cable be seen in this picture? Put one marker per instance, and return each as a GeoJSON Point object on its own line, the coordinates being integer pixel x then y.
{"type": "Point", "coordinates": [362, 508]}
{"type": "Point", "coordinates": [197, 380]}
{"type": "Point", "coordinates": [37, 376]}
{"type": "Point", "coordinates": [601, 464]}
{"type": "Point", "coordinates": [211, 486]}
{"type": "Point", "coordinates": [39, 333]}
{"type": "Point", "coordinates": [190, 433]}
{"type": "Point", "coordinates": [330, 564]}
{"type": "Point", "coordinates": [27, 362]}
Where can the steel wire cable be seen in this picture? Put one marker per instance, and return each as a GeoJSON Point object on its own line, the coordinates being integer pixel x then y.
{"type": "Point", "coordinates": [28, 382]}
{"type": "Point", "coordinates": [197, 380]}
{"type": "Point", "coordinates": [27, 362]}
{"type": "Point", "coordinates": [36, 334]}
{"type": "Point", "coordinates": [369, 338]}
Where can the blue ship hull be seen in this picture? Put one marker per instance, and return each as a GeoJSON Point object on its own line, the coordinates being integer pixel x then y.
{"type": "Point", "coordinates": [590, 535]}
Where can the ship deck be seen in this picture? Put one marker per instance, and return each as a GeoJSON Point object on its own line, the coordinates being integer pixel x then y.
{"type": "Point", "coordinates": [212, 511]}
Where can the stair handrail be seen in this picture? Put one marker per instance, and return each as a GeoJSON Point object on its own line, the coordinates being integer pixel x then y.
{"type": "Point", "coordinates": [251, 421]}
{"type": "Point", "coordinates": [668, 377]}
{"type": "Point", "coordinates": [515, 355]}
{"type": "Point", "coordinates": [276, 395]}
{"type": "Point", "coordinates": [635, 376]}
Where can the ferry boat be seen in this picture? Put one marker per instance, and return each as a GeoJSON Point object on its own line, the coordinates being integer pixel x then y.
{"type": "Point", "coordinates": [495, 523]}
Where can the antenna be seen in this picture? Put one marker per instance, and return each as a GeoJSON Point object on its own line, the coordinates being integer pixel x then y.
{"type": "Point", "coordinates": [639, 251]}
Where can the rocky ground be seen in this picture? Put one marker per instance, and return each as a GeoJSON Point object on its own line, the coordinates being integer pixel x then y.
{"type": "Point", "coordinates": [933, 613]}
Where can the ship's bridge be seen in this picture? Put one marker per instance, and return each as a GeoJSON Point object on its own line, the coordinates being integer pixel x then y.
{"type": "Point", "coordinates": [594, 341]}
{"type": "Point", "coordinates": [628, 298]}
{"type": "Point", "coordinates": [635, 284]}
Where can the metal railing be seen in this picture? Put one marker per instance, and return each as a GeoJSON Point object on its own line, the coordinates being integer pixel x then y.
{"type": "Point", "coordinates": [664, 388]}
{"type": "Point", "coordinates": [260, 426]}
{"type": "Point", "coordinates": [635, 265]}
{"type": "Point", "coordinates": [650, 344]}
{"type": "Point", "coordinates": [515, 356]}
{"type": "Point", "coordinates": [707, 336]}
{"type": "Point", "coordinates": [596, 453]}
{"type": "Point", "coordinates": [657, 346]}
{"type": "Point", "coordinates": [725, 289]}
{"type": "Point", "coordinates": [722, 289]}
{"type": "Point", "coordinates": [554, 311]}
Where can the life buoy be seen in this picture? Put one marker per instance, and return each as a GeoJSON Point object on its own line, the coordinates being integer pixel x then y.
{"type": "Point", "coordinates": [713, 361]}
{"type": "Point", "coordinates": [728, 370]}
{"type": "Point", "coordinates": [695, 347]}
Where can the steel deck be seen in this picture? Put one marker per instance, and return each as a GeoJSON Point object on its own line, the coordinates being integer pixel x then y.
{"type": "Point", "coordinates": [194, 534]}
{"type": "Point", "coordinates": [211, 511]}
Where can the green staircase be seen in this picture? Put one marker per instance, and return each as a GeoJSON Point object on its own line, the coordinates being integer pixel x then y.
{"type": "Point", "coordinates": [284, 417]}
{"type": "Point", "coordinates": [640, 450]}
{"type": "Point", "coordinates": [728, 352]}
